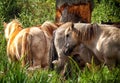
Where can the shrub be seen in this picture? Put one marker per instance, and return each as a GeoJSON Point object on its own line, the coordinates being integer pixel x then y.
{"type": "Point", "coordinates": [106, 11]}
{"type": "Point", "coordinates": [36, 12]}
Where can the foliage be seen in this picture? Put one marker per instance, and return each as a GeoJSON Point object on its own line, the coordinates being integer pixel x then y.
{"type": "Point", "coordinates": [9, 9]}
{"type": "Point", "coordinates": [34, 12]}
{"type": "Point", "coordinates": [29, 12]}
{"type": "Point", "coordinates": [106, 11]}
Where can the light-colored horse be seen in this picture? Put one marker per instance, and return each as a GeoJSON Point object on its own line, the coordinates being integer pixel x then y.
{"type": "Point", "coordinates": [57, 42]}
{"type": "Point", "coordinates": [29, 45]}
{"type": "Point", "coordinates": [81, 54]}
{"type": "Point", "coordinates": [103, 40]}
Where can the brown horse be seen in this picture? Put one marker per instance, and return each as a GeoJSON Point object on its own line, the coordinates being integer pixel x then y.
{"type": "Point", "coordinates": [29, 45]}
{"type": "Point", "coordinates": [103, 40]}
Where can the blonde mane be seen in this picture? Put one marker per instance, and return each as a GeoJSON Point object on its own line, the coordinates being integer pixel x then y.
{"type": "Point", "coordinates": [12, 28]}
{"type": "Point", "coordinates": [17, 23]}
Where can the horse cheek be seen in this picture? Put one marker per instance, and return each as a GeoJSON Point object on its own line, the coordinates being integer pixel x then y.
{"type": "Point", "coordinates": [74, 39]}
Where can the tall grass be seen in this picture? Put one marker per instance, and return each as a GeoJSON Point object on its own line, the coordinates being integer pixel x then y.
{"type": "Point", "coordinates": [33, 12]}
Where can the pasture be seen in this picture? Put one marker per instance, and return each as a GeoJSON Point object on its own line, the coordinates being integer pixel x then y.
{"type": "Point", "coordinates": [13, 73]}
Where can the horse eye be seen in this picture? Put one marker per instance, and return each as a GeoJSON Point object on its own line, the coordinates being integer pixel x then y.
{"type": "Point", "coordinates": [67, 35]}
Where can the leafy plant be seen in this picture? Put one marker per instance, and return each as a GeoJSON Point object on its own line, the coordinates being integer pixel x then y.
{"type": "Point", "coordinates": [35, 12]}
{"type": "Point", "coordinates": [106, 11]}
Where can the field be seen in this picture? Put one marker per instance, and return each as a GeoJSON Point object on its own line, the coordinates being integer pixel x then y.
{"type": "Point", "coordinates": [34, 13]}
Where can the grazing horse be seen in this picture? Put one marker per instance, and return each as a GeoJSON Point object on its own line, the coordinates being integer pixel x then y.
{"type": "Point", "coordinates": [103, 40]}
{"type": "Point", "coordinates": [56, 47]}
{"type": "Point", "coordinates": [29, 45]}
{"type": "Point", "coordinates": [81, 54]}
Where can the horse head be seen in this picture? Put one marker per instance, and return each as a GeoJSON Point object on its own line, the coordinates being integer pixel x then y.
{"type": "Point", "coordinates": [71, 39]}
{"type": "Point", "coordinates": [77, 34]}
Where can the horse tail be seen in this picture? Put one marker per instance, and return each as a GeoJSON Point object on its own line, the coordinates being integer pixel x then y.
{"type": "Point", "coordinates": [52, 53]}
{"type": "Point", "coordinates": [29, 50]}
{"type": "Point", "coordinates": [26, 49]}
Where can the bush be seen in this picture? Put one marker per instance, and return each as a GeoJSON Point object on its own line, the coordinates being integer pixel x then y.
{"type": "Point", "coordinates": [29, 12]}
{"type": "Point", "coordinates": [9, 9]}
{"type": "Point", "coordinates": [36, 12]}
{"type": "Point", "coordinates": [106, 11]}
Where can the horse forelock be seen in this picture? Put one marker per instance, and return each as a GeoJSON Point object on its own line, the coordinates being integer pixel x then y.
{"type": "Point", "coordinates": [67, 30]}
{"type": "Point", "coordinates": [68, 27]}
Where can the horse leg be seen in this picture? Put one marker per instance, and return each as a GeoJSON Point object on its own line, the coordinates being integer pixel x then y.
{"type": "Point", "coordinates": [110, 62]}
{"type": "Point", "coordinates": [45, 61]}
{"type": "Point", "coordinates": [37, 62]}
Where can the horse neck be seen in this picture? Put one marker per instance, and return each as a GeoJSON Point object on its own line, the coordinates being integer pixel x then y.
{"type": "Point", "coordinates": [90, 40]}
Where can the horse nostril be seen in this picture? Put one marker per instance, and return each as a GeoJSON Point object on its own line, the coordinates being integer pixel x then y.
{"type": "Point", "coordinates": [67, 45]}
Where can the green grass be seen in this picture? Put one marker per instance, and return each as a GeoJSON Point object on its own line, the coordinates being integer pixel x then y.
{"type": "Point", "coordinates": [33, 13]}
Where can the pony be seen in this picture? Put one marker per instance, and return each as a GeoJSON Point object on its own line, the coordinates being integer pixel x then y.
{"type": "Point", "coordinates": [81, 54]}
{"type": "Point", "coordinates": [55, 52]}
{"type": "Point", "coordinates": [102, 40]}
{"type": "Point", "coordinates": [30, 45]}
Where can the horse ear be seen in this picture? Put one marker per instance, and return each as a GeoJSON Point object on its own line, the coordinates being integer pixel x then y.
{"type": "Point", "coordinates": [72, 26]}
{"type": "Point", "coordinates": [4, 24]}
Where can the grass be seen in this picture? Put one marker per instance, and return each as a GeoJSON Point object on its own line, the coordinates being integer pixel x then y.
{"type": "Point", "coordinates": [13, 73]}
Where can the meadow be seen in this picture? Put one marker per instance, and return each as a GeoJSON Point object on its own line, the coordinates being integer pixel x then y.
{"type": "Point", "coordinates": [34, 13]}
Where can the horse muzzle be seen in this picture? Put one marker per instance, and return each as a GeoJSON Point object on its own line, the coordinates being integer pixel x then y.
{"type": "Point", "coordinates": [67, 50]}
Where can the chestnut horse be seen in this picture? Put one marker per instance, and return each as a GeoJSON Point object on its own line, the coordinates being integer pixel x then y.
{"type": "Point", "coordinates": [29, 45]}
{"type": "Point", "coordinates": [103, 40]}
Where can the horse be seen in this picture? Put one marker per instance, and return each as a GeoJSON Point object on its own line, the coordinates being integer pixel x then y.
{"type": "Point", "coordinates": [55, 52]}
{"type": "Point", "coordinates": [102, 40]}
{"type": "Point", "coordinates": [30, 45]}
{"type": "Point", "coordinates": [81, 54]}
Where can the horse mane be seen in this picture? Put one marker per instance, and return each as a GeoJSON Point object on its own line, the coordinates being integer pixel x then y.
{"type": "Point", "coordinates": [17, 24]}
{"type": "Point", "coordinates": [16, 21]}
{"type": "Point", "coordinates": [109, 30]}
{"type": "Point", "coordinates": [87, 32]}
{"type": "Point", "coordinates": [48, 27]}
